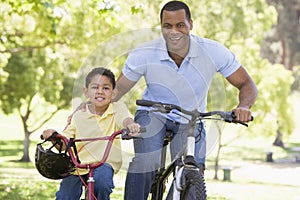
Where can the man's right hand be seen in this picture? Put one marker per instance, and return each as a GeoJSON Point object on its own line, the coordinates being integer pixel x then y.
{"type": "Point", "coordinates": [81, 107]}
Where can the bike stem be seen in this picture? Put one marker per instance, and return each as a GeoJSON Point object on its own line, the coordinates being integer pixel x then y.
{"type": "Point", "coordinates": [91, 184]}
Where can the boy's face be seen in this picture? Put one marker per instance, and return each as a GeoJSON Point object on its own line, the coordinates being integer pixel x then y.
{"type": "Point", "coordinates": [100, 91]}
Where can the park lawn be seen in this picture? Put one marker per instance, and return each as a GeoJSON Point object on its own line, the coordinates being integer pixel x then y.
{"type": "Point", "coordinates": [22, 181]}
{"type": "Point", "coordinates": [251, 177]}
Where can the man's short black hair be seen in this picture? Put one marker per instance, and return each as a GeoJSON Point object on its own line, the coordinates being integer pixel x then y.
{"type": "Point", "coordinates": [176, 5]}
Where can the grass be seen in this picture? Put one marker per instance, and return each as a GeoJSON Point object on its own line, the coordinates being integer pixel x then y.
{"type": "Point", "coordinates": [251, 177]}
{"type": "Point", "coordinates": [21, 180]}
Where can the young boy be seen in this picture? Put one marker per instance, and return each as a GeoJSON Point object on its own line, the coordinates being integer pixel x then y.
{"type": "Point", "coordinates": [100, 118]}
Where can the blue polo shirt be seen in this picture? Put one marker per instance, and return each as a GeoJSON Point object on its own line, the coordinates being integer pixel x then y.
{"type": "Point", "coordinates": [187, 85]}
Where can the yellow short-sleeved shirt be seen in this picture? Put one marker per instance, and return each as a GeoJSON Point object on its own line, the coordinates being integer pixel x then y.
{"type": "Point", "coordinates": [89, 125]}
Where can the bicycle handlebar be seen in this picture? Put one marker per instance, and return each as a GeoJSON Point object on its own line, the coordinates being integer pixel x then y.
{"type": "Point", "coordinates": [124, 135]}
{"type": "Point", "coordinates": [228, 116]}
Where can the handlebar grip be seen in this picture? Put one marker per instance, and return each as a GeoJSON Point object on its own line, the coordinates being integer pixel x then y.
{"type": "Point", "coordinates": [52, 137]}
{"type": "Point", "coordinates": [143, 129]}
{"type": "Point", "coordinates": [231, 118]}
{"type": "Point", "coordinates": [143, 102]}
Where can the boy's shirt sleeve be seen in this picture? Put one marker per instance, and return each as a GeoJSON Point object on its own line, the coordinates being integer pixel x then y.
{"type": "Point", "coordinates": [121, 113]}
{"type": "Point", "coordinates": [70, 130]}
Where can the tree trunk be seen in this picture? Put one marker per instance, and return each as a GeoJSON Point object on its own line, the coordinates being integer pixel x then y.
{"type": "Point", "coordinates": [26, 144]}
{"type": "Point", "coordinates": [219, 150]}
{"type": "Point", "coordinates": [217, 162]}
{"type": "Point", "coordinates": [278, 140]}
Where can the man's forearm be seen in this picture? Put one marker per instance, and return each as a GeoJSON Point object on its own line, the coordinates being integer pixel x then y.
{"type": "Point", "coordinates": [120, 91]}
{"type": "Point", "coordinates": [123, 85]}
{"type": "Point", "coordinates": [247, 95]}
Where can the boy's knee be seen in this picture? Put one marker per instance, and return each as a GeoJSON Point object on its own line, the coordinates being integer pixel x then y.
{"type": "Point", "coordinates": [104, 183]}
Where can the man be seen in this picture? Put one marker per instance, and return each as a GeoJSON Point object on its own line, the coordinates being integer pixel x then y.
{"type": "Point", "coordinates": [178, 69]}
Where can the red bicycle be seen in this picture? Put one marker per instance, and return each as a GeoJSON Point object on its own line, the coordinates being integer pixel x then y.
{"type": "Point", "coordinates": [59, 165]}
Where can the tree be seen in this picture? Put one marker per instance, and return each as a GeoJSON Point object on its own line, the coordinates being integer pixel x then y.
{"type": "Point", "coordinates": [286, 34]}
{"type": "Point", "coordinates": [241, 25]}
{"type": "Point", "coordinates": [28, 89]}
{"type": "Point", "coordinates": [49, 40]}
{"type": "Point", "coordinates": [41, 46]}
{"type": "Point", "coordinates": [281, 44]}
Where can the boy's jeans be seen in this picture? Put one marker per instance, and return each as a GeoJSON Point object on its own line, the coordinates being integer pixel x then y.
{"type": "Point", "coordinates": [71, 186]}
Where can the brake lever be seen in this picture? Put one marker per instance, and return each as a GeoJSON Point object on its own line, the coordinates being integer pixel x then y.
{"type": "Point", "coordinates": [242, 123]}
{"type": "Point", "coordinates": [159, 108]}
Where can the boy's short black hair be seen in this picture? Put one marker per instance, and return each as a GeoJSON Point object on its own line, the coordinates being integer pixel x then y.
{"type": "Point", "coordinates": [176, 5]}
{"type": "Point", "coordinates": [102, 71]}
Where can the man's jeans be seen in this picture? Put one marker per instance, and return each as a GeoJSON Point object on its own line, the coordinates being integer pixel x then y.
{"type": "Point", "coordinates": [141, 171]}
{"type": "Point", "coordinates": [71, 186]}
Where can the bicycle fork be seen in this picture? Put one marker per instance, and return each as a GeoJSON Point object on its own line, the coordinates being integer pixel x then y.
{"type": "Point", "coordinates": [186, 165]}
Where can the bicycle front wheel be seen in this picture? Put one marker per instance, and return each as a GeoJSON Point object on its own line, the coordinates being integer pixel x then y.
{"type": "Point", "coordinates": [194, 187]}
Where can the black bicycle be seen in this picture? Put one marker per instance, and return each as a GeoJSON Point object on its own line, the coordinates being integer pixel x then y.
{"type": "Point", "coordinates": [188, 177]}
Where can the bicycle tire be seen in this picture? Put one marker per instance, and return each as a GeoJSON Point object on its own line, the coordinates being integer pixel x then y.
{"type": "Point", "coordinates": [195, 185]}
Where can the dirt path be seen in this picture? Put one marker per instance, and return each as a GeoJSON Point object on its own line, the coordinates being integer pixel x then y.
{"type": "Point", "coordinates": [259, 181]}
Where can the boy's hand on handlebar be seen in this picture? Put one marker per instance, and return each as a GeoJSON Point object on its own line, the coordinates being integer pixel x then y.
{"type": "Point", "coordinates": [242, 114]}
{"type": "Point", "coordinates": [134, 129]}
{"type": "Point", "coordinates": [47, 133]}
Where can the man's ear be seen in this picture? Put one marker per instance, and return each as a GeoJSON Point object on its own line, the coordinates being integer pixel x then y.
{"type": "Point", "coordinates": [191, 24]}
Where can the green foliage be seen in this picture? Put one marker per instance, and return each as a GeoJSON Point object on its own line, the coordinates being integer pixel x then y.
{"type": "Point", "coordinates": [274, 97]}
{"type": "Point", "coordinates": [44, 44]}
{"type": "Point", "coordinates": [19, 180]}
{"type": "Point", "coordinates": [282, 43]}
{"type": "Point", "coordinates": [13, 92]}
{"type": "Point", "coordinates": [241, 25]}
{"type": "Point", "coordinates": [296, 74]}
{"type": "Point", "coordinates": [231, 22]}
{"type": "Point", "coordinates": [27, 189]}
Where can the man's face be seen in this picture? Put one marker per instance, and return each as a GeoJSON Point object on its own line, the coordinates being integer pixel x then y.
{"type": "Point", "coordinates": [176, 29]}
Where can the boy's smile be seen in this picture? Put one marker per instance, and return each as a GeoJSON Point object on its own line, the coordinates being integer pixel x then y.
{"type": "Point", "coordinates": [100, 92]}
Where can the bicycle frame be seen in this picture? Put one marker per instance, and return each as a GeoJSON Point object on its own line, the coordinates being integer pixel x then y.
{"type": "Point", "coordinates": [185, 160]}
{"type": "Point", "coordinates": [90, 167]}
{"type": "Point", "coordinates": [176, 165]}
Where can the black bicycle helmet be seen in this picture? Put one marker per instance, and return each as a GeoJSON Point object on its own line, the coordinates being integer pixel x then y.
{"type": "Point", "coordinates": [53, 165]}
